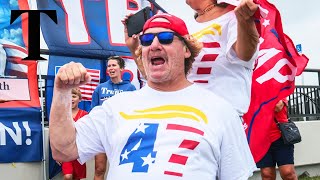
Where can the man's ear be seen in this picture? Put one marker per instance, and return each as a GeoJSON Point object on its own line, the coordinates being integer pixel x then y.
{"type": "Point", "coordinates": [187, 52]}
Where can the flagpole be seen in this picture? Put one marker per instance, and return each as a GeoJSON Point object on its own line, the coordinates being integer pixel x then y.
{"type": "Point", "coordinates": [157, 5]}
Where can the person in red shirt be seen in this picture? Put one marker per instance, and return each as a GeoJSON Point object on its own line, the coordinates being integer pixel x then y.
{"type": "Point", "coordinates": [73, 169]}
{"type": "Point", "coordinates": [279, 153]}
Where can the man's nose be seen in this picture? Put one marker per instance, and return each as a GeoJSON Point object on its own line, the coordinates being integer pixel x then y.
{"type": "Point", "coordinates": [155, 45]}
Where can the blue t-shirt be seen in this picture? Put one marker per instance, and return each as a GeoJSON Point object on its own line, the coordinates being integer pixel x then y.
{"type": "Point", "coordinates": [108, 89]}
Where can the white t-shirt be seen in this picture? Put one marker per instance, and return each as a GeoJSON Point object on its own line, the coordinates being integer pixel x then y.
{"type": "Point", "coordinates": [147, 134]}
{"type": "Point", "coordinates": [217, 67]}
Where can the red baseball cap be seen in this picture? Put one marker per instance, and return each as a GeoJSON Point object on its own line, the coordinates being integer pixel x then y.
{"type": "Point", "coordinates": [175, 24]}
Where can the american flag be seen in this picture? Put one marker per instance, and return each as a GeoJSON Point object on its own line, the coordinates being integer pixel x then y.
{"type": "Point", "coordinates": [87, 89]}
{"type": "Point", "coordinates": [14, 53]}
{"type": "Point", "coordinates": [15, 67]}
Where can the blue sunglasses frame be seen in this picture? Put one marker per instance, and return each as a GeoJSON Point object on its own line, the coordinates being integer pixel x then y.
{"type": "Point", "coordinates": [165, 37]}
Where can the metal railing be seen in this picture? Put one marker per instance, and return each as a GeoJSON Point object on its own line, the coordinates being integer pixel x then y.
{"type": "Point", "coordinates": [304, 103]}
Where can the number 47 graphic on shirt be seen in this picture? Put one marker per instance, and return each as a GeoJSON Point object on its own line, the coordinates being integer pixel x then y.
{"type": "Point", "coordinates": [139, 148]}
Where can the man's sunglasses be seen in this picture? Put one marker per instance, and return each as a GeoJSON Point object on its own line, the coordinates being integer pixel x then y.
{"type": "Point", "coordinates": [163, 37]}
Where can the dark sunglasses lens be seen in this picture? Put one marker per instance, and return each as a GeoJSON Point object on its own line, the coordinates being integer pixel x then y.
{"type": "Point", "coordinates": [165, 37]}
{"type": "Point", "coordinates": [146, 39]}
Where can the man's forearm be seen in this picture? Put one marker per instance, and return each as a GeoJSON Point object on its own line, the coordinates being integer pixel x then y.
{"type": "Point", "coordinates": [247, 40]}
{"type": "Point", "coordinates": [61, 128]}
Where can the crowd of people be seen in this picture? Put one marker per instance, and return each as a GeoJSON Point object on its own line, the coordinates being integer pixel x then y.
{"type": "Point", "coordinates": [187, 119]}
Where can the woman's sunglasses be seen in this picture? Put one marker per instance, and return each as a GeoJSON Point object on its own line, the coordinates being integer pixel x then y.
{"type": "Point", "coordinates": [163, 37]}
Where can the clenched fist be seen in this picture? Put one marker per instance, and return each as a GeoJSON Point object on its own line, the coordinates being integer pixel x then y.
{"type": "Point", "coordinates": [71, 75]}
{"type": "Point", "coordinates": [245, 10]}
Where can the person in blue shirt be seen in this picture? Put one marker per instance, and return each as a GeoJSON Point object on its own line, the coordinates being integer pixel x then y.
{"type": "Point", "coordinates": [114, 85]}
{"type": "Point", "coordinates": [104, 91]}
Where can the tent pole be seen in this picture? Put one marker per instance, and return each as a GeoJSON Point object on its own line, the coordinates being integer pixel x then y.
{"type": "Point", "coordinates": [42, 124]}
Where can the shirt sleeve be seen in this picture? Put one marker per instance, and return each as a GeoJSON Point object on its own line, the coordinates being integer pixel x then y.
{"type": "Point", "coordinates": [232, 38]}
{"type": "Point", "coordinates": [90, 131]}
{"type": "Point", "coordinates": [236, 161]}
{"type": "Point", "coordinates": [285, 101]}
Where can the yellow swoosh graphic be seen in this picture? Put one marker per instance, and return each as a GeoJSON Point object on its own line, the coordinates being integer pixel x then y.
{"type": "Point", "coordinates": [161, 112]}
{"type": "Point", "coordinates": [212, 29]}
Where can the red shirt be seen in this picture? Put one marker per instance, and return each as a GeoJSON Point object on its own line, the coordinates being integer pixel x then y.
{"type": "Point", "coordinates": [281, 116]}
{"type": "Point", "coordinates": [80, 114]}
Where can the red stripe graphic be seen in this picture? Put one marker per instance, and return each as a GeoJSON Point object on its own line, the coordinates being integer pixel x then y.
{"type": "Point", "coordinates": [184, 128]}
{"type": "Point", "coordinates": [173, 173]}
{"type": "Point", "coordinates": [185, 144]}
{"type": "Point", "coordinates": [189, 144]}
{"type": "Point", "coordinates": [211, 45]}
{"type": "Point", "coordinates": [200, 81]}
{"type": "Point", "coordinates": [175, 158]}
{"type": "Point", "coordinates": [206, 70]}
{"type": "Point", "coordinates": [209, 57]}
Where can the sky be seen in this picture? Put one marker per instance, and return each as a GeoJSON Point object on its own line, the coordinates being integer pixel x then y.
{"type": "Point", "coordinates": [301, 22]}
{"type": "Point", "coordinates": [302, 25]}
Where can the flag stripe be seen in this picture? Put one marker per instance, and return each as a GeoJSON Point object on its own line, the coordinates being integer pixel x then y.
{"type": "Point", "coordinates": [178, 159]}
{"type": "Point", "coordinates": [189, 144]}
{"type": "Point", "coordinates": [209, 57]}
{"type": "Point", "coordinates": [18, 67]}
{"type": "Point", "coordinates": [200, 81]}
{"type": "Point", "coordinates": [88, 89]}
{"type": "Point", "coordinates": [211, 45]}
{"type": "Point", "coordinates": [86, 93]}
{"type": "Point", "coordinates": [173, 173]}
{"type": "Point", "coordinates": [205, 70]}
{"type": "Point", "coordinates": [184, 128]}
{"type": "Point", "coordinates": [90, 84]}
{"type": "Point", "coordinates": [15, 47]}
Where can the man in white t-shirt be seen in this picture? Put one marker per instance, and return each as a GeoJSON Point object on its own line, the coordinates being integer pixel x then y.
{"type": "Point", "coordinates": [170, 129]}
